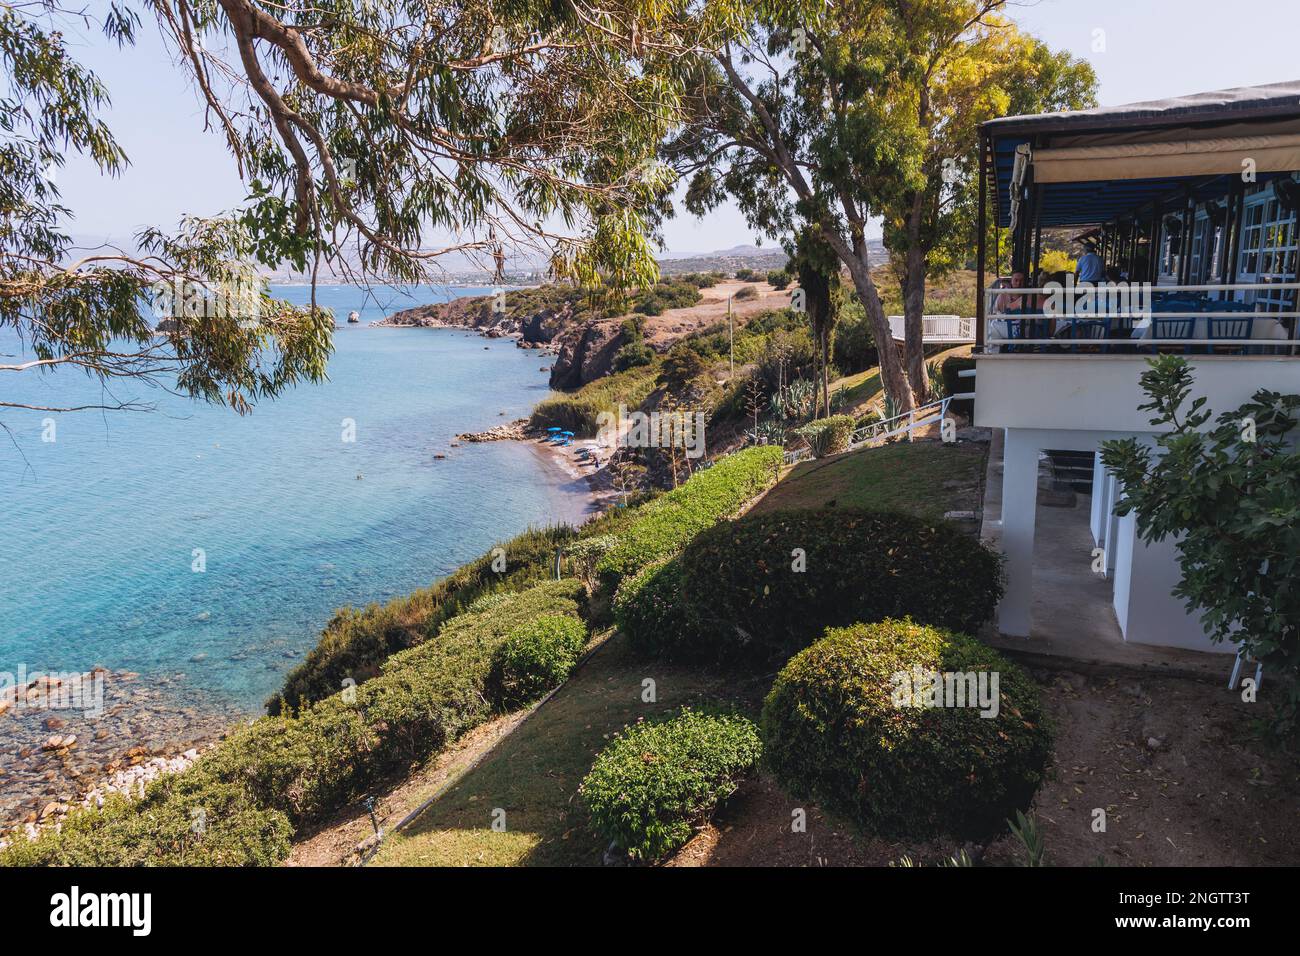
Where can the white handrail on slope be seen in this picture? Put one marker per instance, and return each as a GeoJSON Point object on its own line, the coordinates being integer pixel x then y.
{"type": "Point", "coordinates": [927, 414]}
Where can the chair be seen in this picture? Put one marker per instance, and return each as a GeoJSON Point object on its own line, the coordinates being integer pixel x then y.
{"type": "Point", "coordinates": [1027, 329]}
{"type": "Point", "coordinates": [1173, 329]}
{"type": "Point", "coordinates": [1085, 329]}
{"type": "Point", "coordinates": [1237, 327]}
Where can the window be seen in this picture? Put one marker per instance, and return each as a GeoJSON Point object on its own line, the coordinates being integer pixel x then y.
{"type": "Point", "coordinates": [1268, 251]}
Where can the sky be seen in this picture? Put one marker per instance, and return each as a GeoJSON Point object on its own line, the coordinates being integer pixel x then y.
{"type": "Point", "coordinates": [1141, 50]}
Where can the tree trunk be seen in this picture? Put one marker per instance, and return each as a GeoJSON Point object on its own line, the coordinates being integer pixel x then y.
{"type": "Point", "coordinates": [826, 368]}
{"type": "Point", "coordinates": [891, 367]}
{"type": "Point", "coordinates": [914, 306]}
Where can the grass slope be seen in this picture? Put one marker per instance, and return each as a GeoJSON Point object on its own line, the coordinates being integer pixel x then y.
{"type": "Point", "coordinates": [924, 478]}
{"type": "Point", "coordinates": [533, 774]}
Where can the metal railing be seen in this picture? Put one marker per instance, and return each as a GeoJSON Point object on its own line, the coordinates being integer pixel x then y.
{"type": "Point", "coordinates": [905, 423]}
{"type": "Point", "coordinates": [1105, 303]}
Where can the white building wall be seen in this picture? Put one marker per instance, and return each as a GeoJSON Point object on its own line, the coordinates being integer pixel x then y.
{"type": "Point", "coordinates": [1152, 615]}
{"type": "Point", "coordinates": [1143, 575]}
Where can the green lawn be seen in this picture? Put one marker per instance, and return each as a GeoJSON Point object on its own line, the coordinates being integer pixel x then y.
{"type": "Point", "coordinates": [534, 773]}
{"type": "Point", "coordinates": [926, 478]}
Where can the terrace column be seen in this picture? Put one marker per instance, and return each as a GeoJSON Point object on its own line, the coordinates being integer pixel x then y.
{"type": "Point", "coordinates": [1019, 507]}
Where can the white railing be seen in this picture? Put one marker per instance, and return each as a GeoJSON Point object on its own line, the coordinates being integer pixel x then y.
{"type": "Point", "coordinates": [1107, 302]}
{"type": "Point", "coordinates": [903, 424]}
{"type": "Point", "coordinates": [938, 328]}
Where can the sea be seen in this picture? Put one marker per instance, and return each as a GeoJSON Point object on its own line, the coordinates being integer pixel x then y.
{"type": "Point", "coordinates": [206, 549]}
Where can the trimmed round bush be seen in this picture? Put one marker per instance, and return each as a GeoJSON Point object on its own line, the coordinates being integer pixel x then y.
{"type": "Point", "coordinates": [828, 436]}
{"type": "Point", "coordinates": [652, 610]}
{"type": "Point", "coordinates": [768, 585]}
{"type": "Point", "coordinates": [851, 723]}
{"type": "Point", "coordinates": [536, 657]}
{"type": "Point", "coordinates": [658, 780]}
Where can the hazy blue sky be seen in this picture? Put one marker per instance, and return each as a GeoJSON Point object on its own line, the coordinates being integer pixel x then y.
{"type": "Point", "coordinates": [1153, 49]}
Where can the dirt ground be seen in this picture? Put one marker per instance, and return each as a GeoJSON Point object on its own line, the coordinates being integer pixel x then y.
{"type": "Point", "coordinates": [1175, 764]}
{"type": "Point", "coordinates": [712, 309]}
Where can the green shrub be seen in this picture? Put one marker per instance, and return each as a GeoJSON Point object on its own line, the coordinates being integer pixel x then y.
{"type": "Point", "coordinates": [281, 772]}
{"type": "Point", "coordinates": [209, 826]}
{"type": "Point", "coordinates": [580, 411]}
{"type": "Point", "coordinates": [665, 524]}
{"type": "Point", "coordinates": [828, 436]}
{"type": "Point", "coordinates": [747, 275]}
{"type": "Point", "coordinates": [536, 657]}
{"type": "Point", "coordinates": [778, 278]}
{"type": "Point", "coordinates": [752, 605]}
{"type": "Point", "coordinates": [651, 305]}
{"type": "Point", "coordinates": [658, 780]}
{"type": "Point", "coordinates": [838, 727]}
{"type": "Point", "coordinates": [356, 642]}
{"type": "Point", "coordinates": [652, 610]}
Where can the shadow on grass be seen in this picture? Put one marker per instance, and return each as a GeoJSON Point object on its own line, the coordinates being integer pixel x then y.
{"type": "Point", "coordinates": [532, 776]}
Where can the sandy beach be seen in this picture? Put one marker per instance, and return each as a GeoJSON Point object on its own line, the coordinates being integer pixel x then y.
{"type": "Point", "coordinates": [578, 491]}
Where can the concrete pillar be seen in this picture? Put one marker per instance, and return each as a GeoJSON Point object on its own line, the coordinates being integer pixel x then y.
{"type": "Point", "coordinates": [1019, 507]}
{"type": "Point", "coordinates": [1112, 522]}
{"type": "Point", "coordinates": [1097, 518]}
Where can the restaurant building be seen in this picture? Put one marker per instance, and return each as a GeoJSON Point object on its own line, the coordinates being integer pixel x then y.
{"type": "Point", "coordinates": [1191, 204]}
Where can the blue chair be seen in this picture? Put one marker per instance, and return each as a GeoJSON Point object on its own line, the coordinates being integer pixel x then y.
{"type": "Point", "coordinates": [1084, 329]}
{"type": "Point", "coordinates": [1027, 329]}
{"type": "Point", "coordinates": [1237, 327]}
{"type": "Point", "coordinates": [1173, 329]}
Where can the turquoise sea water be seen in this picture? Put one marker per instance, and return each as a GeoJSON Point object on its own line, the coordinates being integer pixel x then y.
{"type": "Point", "coordinates": [99, 528]}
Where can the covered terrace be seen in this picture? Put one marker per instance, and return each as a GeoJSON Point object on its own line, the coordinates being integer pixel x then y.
{"type": "Point", "coordinates": [1190, 203]}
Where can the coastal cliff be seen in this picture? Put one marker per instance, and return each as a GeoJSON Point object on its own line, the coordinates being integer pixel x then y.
{"type": "Point", "coordinates": [545, 318]}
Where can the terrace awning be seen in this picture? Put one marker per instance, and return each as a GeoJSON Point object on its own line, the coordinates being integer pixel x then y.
{"type": "Point", "coordinates": [1098, 165]}
{"type": "Point", "coordinates": [1182, 157]}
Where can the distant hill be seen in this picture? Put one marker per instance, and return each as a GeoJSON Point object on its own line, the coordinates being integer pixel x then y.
{"type": "Point", "coordinates": [530, 270]}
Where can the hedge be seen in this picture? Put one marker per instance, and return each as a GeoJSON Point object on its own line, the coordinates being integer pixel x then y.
{"type": "Point", "coordinates": [356, 642]}
{"type": "Point", "coordinates": [214, 826]}
{"type": "Point", "coordinates": [828, 436]}
{"type": "Point", "coordinates": [652, 609]}
{"type": "Point", "coordinates": [836, 730]}
{"type": "Point", "coordinates": [747, 601]}
{"type": "Point", "coordinates": [666, 524]}
{"type": "Point", "coordinates": [536, 657]}
{"type": "Point", "coordinates": [658, 780]}
{"type": "Point", "coordinates": [281, 772]}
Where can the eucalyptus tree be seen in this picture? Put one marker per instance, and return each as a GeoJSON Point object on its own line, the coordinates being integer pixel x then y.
{"type": "Point", "coordinates": [376, 138]}
{"type": "Point", "coordinates": [835, 114]}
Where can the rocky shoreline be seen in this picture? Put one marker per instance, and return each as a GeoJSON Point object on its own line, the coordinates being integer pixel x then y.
{"type": "Point", "coordinates": [71, 740]}
{"type": "Point", "coordinates": [511, 431]}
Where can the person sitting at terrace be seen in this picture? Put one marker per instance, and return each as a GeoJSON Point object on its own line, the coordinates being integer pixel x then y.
{"type": "Point", "coordinates": [1007, 303]}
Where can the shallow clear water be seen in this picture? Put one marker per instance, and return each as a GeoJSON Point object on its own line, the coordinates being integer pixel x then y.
{"type": "Point", "coordinates": [98, 529]}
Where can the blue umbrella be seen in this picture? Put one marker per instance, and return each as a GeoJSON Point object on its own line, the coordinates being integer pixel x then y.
{"type": "Point", "coordinates": [553, 428]}
{"type": "Point", "coordinates": [567, 434]}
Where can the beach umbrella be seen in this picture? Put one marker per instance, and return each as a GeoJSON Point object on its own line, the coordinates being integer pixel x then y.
{"type": "Point", "coordinates": [567, 434]}
{"type": "Point", "coordinates": [553, 428]}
